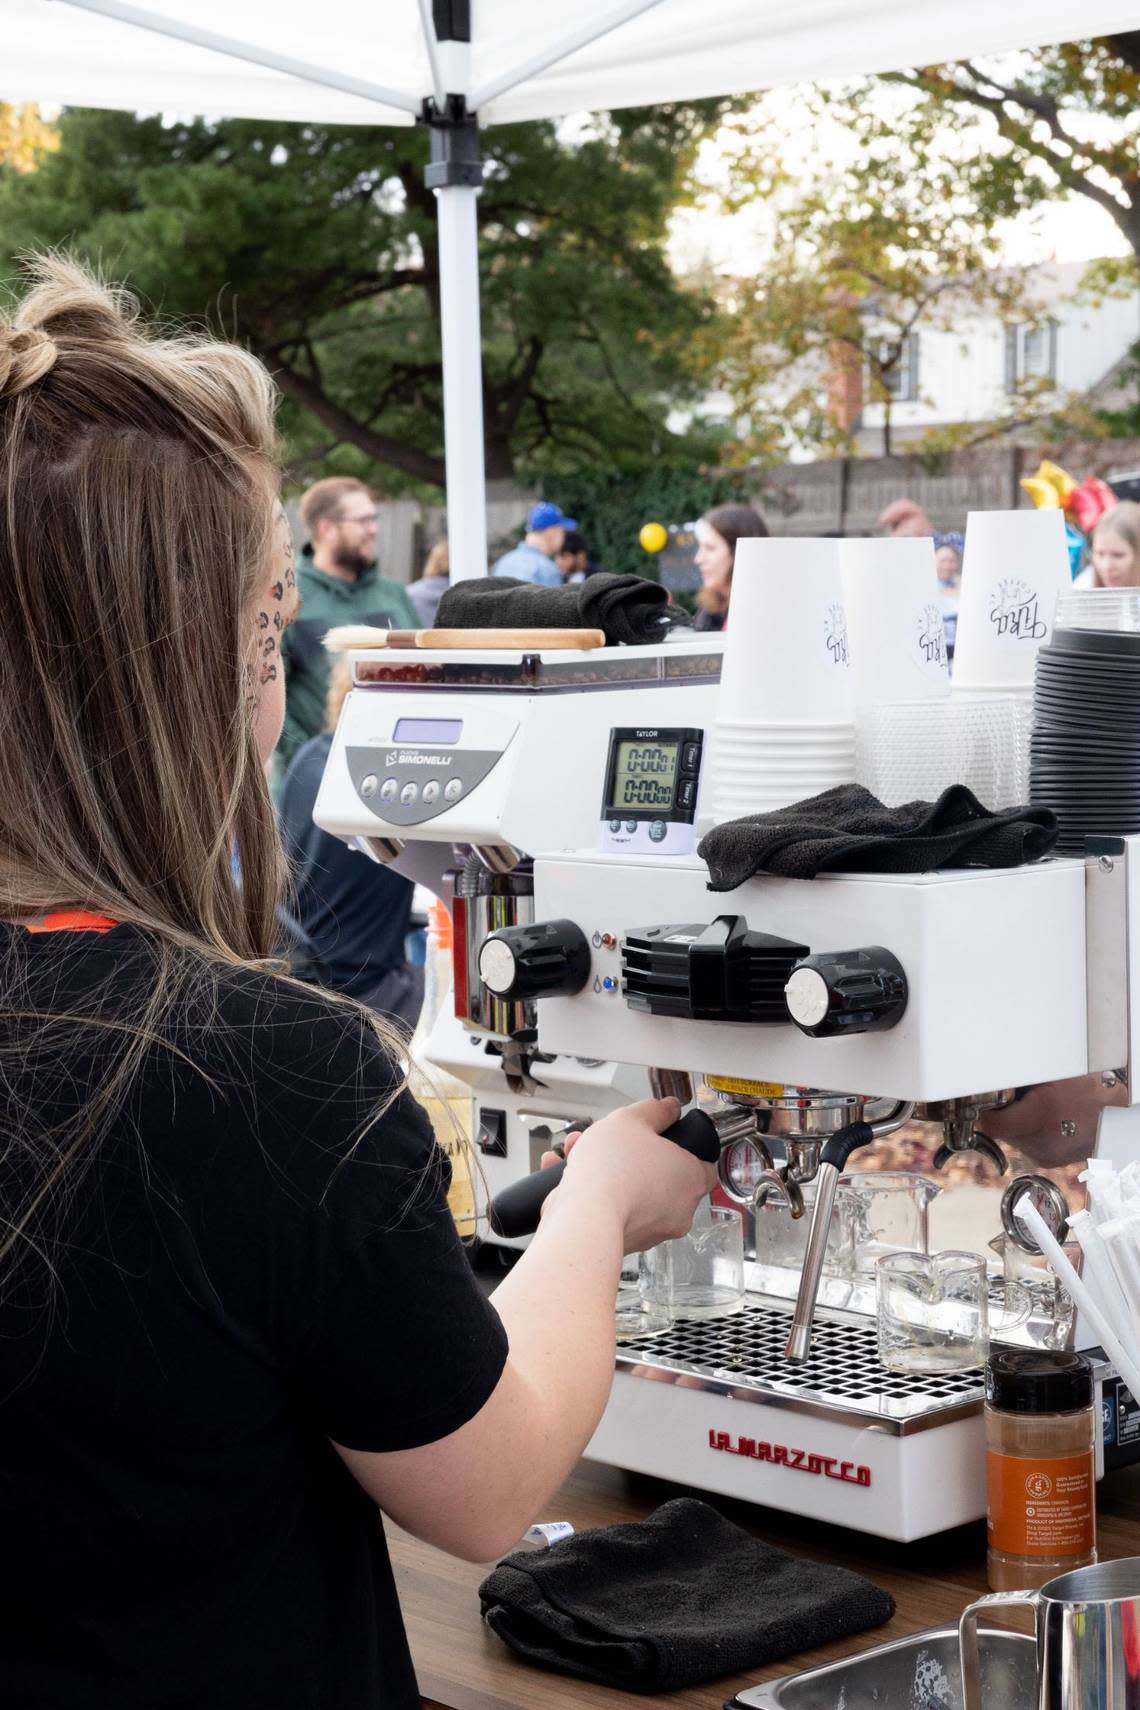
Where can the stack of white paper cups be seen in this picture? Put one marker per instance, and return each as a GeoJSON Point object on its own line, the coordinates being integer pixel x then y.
{"type": "Point", "coordinates": [783, 727]}
{"type": "Point", "coordinates": [1015, 565]}
{"type": "Point", "coordinates": [894, 620]}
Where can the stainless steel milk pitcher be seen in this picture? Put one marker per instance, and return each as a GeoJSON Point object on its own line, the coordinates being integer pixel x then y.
{"type": "Point", "coordinates": [1088, 1639]}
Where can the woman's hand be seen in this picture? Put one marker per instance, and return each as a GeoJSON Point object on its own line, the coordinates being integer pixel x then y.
{"type": "Point", "coordinates": [623, 1158]}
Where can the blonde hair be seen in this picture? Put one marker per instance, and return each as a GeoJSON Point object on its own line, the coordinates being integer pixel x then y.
{"type": "Point", "coordinates": [137, 481]}
{"type": "Point", "coordinates": [324, 499]}
{"type": "Point", "coordinates": [1124, 521]}
{"type": "Point", "coordinates": [438, 560]}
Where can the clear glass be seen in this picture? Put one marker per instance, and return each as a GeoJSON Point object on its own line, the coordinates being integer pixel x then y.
{"type": "Point", "coordinates": [704, 1275]}
{"type": "Point", "coordinates": [891, 1214]}
{"type": "Point", "coordinates": [643, 1299]}
{"type": "Point", "coordinates": [781, 1239]}
{"type": "Point", "coordinates": [1029, 1275]}
{"type": "Point", "coordinates": [931, 1311]}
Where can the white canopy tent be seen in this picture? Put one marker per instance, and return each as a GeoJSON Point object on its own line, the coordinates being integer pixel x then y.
{"type": "Point", "coordinates": [463, 63]}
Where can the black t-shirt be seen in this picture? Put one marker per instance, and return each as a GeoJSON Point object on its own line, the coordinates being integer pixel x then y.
{"type": "Point", "coordinates": [230, 1294]}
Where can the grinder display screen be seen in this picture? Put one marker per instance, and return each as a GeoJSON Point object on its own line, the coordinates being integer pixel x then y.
{"type": "Point", "coordinates": [644, 775]}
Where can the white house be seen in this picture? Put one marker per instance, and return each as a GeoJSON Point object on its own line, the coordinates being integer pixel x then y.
{"type": "Point", "coordinates": [970, 374]}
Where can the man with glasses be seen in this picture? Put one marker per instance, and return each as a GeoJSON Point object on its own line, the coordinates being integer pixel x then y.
{"type": "Point", "coordinates": [338, 582]}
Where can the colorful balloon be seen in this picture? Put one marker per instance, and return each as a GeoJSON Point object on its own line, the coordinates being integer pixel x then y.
{"type": "Point", "coordinates": [1088, 502]}
{"type": "Point", "coordinates": [653, 537]}
{"type": "Point", "coordinates": [1043, 493]}
{"type": "Point", "coordinates": [1061, 479]}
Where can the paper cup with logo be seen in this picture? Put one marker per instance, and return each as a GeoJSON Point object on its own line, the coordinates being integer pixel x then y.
{"type": "Point", "coordinates": [1015, 565]}
{"type": "Point", "coordinates": [785, 650]}
{"type": "Point", "coordinates": [894, 621]}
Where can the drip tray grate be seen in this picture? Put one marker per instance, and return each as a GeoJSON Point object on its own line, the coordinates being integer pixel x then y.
{"type": "Point", "coordinates": [745, 1353]}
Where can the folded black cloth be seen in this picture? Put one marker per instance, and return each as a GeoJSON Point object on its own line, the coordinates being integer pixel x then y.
{"type": "Point", "coordinates": [848, 830]}
{"type": "Point", "coordinates": [680, 1598]}
{"type": "Point", "coordinates": [628, 608]}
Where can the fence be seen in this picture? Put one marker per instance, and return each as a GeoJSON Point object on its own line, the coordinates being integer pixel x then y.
{"type": "Point", "coordinates": [842, 495]}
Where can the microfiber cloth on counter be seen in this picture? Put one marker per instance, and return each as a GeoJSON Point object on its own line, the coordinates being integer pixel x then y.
{"type": "Point", "coordinates": [683, 1597]}
{"type": "Point", "coordinates": [848, 830]}
{"type": "Point", "coordinates": [628, 608]}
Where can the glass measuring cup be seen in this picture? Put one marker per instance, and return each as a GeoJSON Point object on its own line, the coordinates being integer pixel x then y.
{"type": "Point", "coordinates": [933, 1311]}
{"type": "Point", "coordinates": [891, 1213]}
{"type": "Point", "coordinates": [1030, 1273]}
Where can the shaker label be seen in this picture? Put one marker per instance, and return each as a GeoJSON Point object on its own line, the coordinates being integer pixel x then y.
{"type": "Point", "coordinates": [1040, 1507]}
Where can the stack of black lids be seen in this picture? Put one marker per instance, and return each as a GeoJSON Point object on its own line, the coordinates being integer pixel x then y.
{"type": "Point", "coordinates": [1085, 747]}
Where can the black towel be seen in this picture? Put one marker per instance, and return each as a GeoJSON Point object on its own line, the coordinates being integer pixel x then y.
{"type": "Point", "coordinates": [628, 608]}
{"type": "Point", "coordinates": [848, 830]}
{"type": "Point", "coordinates": [680, 1598]}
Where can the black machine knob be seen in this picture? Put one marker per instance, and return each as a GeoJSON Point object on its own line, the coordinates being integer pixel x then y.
{"type": "Point", "coordinates": [847, 991]}
{"type": "Point", "coordinates": [546, 959]}
{"type": "Point", "coordinates": [708, 971]}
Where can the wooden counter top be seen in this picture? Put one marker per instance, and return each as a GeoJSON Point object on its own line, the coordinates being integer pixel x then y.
{"type": "Point", "coordinates": [462, 1666]}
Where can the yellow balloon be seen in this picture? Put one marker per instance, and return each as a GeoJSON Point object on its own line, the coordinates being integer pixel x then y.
{"type": "Point", "coordinates": [653, 537]}
{"type": "Point", "coordinates": [1060, 478]}
{"type": "Point", "coordinates": [1043, 493]}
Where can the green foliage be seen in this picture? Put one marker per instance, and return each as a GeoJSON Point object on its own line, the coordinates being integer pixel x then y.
{"type": "Point", "coordinates": [613, 503]}
{"type": "Point", "coordinates": [317, 246]}
{"type": "Point", "coordinates": [869, 246]}
{"type": "Point", "coordinates": [1125, 423]}
{"type": "Point", "coordinates": [1034, 126]}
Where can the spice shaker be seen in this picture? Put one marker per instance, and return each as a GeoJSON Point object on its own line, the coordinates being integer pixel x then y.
{"type": "Point", "coordinates": [1040, 1468]}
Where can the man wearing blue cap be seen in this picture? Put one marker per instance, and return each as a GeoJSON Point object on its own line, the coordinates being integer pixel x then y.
{"type": "Point", "coordinates": [533, 559]}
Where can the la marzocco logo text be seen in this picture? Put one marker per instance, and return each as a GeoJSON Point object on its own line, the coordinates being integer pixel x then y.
{"type": "Point", "coordinates": [794, 1460]}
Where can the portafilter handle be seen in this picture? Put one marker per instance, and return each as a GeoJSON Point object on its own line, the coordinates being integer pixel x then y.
{"type": "Point", "coordinates": [517, 1209]}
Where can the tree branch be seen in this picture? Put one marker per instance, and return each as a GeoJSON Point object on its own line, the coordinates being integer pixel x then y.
{"type": "Point", "coordinates": [384, 448]}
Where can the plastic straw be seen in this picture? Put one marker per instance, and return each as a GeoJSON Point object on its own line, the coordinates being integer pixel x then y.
{"type": "Point", "coordinates": [1080, 1294]}
{"type": "Point", "coordinates": [1118, 1240]}
{"type": "Point", "coordinates": [1098, 1272]}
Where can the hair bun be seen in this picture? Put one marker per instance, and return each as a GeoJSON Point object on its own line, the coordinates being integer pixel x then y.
{"type": "Point", "coordinates": [25, 357]}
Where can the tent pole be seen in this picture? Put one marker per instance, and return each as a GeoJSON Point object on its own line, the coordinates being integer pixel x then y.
{"type": "Point", "coordinates": [561, 49]}
{"type": "Point", "coordinates": [455, 174]}
{"type": "Point", "coordinates": [254, 54]}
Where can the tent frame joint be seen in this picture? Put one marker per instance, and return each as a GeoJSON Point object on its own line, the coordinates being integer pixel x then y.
{"type": "Point", "coordinates": [456, 158]}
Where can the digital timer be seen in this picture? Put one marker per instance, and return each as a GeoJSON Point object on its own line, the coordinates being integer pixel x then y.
{"type": "Point", "coordinates": [651, 786]}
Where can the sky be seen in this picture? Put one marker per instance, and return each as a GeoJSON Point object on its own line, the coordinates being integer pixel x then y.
{"type": "Point", "coordinates": [701, 237]}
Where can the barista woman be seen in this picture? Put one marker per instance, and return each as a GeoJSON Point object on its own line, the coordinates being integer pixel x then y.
{"type": "Point", "coordinates": [234, 1317]}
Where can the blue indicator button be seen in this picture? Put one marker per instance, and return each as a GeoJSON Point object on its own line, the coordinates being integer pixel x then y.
{"type": "Point", "coordinates": [609, 985]}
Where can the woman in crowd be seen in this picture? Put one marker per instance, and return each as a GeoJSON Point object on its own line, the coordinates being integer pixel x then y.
{"type": "Point", "coordinates": [235, 1320]}
{"type": "Point", "coordinates": [717, 534]}
{"type": "Point", "coordinates": [1115, 550]}
{"type": "Point", "coordinates": [426, 593]}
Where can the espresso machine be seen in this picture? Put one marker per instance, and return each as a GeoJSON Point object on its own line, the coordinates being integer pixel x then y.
{"type": "Point", "coordinates": [821, 1015]}
{"type": "Point", "coordinates": [456, 766]}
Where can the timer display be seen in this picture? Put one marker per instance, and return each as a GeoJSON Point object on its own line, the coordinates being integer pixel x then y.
{"type": "Point", "coordinates": [645, 774]}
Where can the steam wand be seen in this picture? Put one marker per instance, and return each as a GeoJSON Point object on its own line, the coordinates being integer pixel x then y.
{"type": "Point", "coordinates": [832, 1162]}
